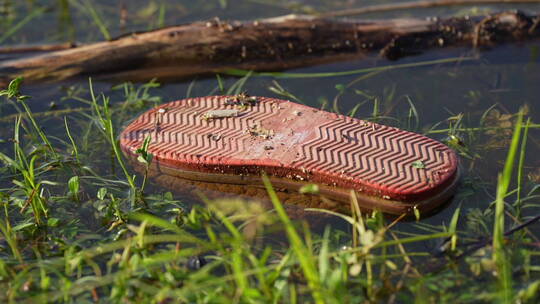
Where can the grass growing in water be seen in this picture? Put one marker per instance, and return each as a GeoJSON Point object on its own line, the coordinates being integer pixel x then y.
{"type": "Point", "coordinates": [164, 251]}
{"type": "Point", "coordinates": [77, 227]}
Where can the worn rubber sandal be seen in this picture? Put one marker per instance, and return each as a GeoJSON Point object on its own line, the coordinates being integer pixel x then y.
{"type": "Point", "coordinates": [233, 139]}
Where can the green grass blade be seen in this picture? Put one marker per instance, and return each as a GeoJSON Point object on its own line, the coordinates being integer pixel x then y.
{"type": "Point", "coordinates": [510, 158]}
{"type": "Point", "coordinates": [238, 72]}
{"type": "Point", "coordinates": [305, 257]}
{"type": "Point", "coordinates": [13, 29]}
{"type": "Point", "coordinates": [238, 86]}
{"type": "Point", "coordinates": [156, 221]}
{"type": "Point", "coordinates": [413, 239]}
{"type": "Point", "coordinates": [10, 239]}
{"type": "Point", "coordinates": [499, 254]}
{"type": "Point", "coordinates": [521, 164]}
{"type": "Point", "coordinates": [453, 227]}
{"type": "Point", "coordinates": [324, 254]}
{"type": "Point", "coordinates": [500, 258]}
{"type": "Point", "coordinates": [105, 118]}
{"type": "Point", "coordinates": [97, 20]}
{"type": "Point", "coordinates": [73, 144]}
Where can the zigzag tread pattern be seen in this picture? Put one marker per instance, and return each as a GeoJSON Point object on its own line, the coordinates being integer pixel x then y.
{"type": "Point", "coordinates": [182, 133]}
{"type": "Point", "coordinates": [379, 157]}
{"type": "Point", "coordinates": [332, 148]}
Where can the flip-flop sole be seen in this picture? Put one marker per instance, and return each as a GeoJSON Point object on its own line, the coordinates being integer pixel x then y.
{"type": "Point", "coordinates": [227, 139]}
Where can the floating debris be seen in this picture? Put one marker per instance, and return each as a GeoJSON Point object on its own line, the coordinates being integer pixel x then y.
{"type": "Point", "coordinates": [349, 138]}
{"type": "Point", "coordinates": [309, 189]}
{"type": "Point", "coordinates": [242, 100]}
{"type": "Point", "coordinates": [261, 132]}
{"type": "Point", "coordinates": [158, 118]}
{"type": "Point", "coordinates": [214, 137]}
{"type": "Point", "coordinates": [217, 114]}
{"type": "Point", "coordinates": [418, 164]}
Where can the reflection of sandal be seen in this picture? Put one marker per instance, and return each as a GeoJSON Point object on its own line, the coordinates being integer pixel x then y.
{"type": "Point", "coordinates": [232, 139]}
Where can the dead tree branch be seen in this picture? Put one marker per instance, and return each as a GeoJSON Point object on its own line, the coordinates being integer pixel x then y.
{"type": "Point", "coordinates": [265, 45]}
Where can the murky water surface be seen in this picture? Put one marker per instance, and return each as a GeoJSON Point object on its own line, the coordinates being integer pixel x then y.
{"type": "Point", "coordinates": [490, 89]}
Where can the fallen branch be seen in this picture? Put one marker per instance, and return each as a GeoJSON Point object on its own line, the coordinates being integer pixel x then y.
{"type": "Point", "coordinates": [265, 45]}
{"type": "Point", "coordinates": [50, 113]}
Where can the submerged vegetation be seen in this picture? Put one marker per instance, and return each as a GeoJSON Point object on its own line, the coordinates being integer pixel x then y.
{"type": "Point", "coordinates": [78, 225]}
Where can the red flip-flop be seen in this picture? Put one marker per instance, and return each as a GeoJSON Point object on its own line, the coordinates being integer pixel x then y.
{"type": "Point", "coordinates": [233, 139]}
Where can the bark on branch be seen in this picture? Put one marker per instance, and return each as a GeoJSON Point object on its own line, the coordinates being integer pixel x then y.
{"type": "Point", "coordinates": [269, 44]}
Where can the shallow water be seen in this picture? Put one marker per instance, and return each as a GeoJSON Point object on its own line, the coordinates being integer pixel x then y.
{"type": "Point", "coordinates": [505, 78]}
